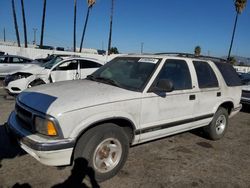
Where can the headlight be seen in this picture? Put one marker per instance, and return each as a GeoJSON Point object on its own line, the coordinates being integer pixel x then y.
{"type": "Point", "coordinates": [45, 126]}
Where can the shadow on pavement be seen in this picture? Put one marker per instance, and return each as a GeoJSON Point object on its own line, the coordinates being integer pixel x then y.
{"type": "Point", "coordinates": [25, 185]}
{"type": "Point", "coordinates": [8, 149]}
{"type": "Point", "coordinates": [80, 171]}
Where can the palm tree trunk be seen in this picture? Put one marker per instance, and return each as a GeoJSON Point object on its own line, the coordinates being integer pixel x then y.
{"type": "Point", "coordinates": [24, 25]}
{"type": "Point", "coordinates": [84, 28]}
{"type": "Point", "coordinates": [235, 24]}
{"type": "Point", "coordinates": [43, 21]}
{"type": "Point", "coordinates": [74, 37]}
{"type": "Point", "coordinates": [110, 28]}
{"type": "Point", "coordinates": [15, 23]}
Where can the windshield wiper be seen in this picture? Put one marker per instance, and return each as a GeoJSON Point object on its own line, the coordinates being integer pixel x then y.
{"type": "Point", "coordinates": [103, 80]}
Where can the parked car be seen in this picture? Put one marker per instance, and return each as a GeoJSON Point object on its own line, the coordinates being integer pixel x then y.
{"type": "Point", "coordinates": [60, 68]}
{"type": "Point", "coordinates": [12, 63]}
{"type": "Point", "coordinates": [245, 98]}
{"type": "Point", "coordinates": [130, 100]}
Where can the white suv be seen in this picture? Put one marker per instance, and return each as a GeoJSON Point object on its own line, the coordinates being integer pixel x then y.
{"type": "Point", "coordinates": [130, 100]}
{"type": "Point", "coordinates": [59, 68]}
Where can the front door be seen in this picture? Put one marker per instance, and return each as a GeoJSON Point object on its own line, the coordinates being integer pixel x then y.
{"type": "Point", "coordinates": [166, 113]}
{"type": "Point", "coordinates": [68, 70]}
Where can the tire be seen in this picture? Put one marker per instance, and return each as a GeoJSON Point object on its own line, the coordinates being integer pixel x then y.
{"type": "Point", "coordinates": [95, 147]}
{"type": "Point", "coordinates": [35, 83]}
{"type": "Point", "coordinates": [217, 128]}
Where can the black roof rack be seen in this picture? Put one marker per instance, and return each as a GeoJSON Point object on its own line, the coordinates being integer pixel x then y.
{"type": "Point", "coordinates": [192, 56]}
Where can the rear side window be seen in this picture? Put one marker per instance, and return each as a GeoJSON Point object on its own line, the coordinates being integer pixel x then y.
{"type": "Point", "coordinates": [178, 72]}
{"type": "Point", "coordinates": [229, 74]}
{"type": "Point", "coordinates": [205, 74]}
{"type": "Point", "coordinates": [85, 64]}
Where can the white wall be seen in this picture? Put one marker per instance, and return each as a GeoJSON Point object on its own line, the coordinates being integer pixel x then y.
{"type": "Point", "coordinates": [34, 53]}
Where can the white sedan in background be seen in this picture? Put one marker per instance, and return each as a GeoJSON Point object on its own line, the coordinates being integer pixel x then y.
{"type": "Point", "coordinates": [12, 63]}
{"type": "Point", "coordinates": [58, 69]}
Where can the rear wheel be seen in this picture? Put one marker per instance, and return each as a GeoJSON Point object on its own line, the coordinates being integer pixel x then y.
{"type": "Point", "coordinates": [105, 148]}
{"type": "Point", "coordinates": [217, 128]}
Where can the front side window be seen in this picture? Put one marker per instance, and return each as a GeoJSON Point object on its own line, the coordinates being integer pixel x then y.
{"type": "Point", "coordinates": [177, 72]}
{"type": "Point", "coordinates": [130, 73]}
{"type": "Point", "coordinates": [205, 74]}
{"type": "Point", "coordinates": [68, 65]}
{"type": "Point", "coordinates": [2, 59]}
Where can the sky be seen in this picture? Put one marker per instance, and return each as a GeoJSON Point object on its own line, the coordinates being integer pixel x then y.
{"type": "Point", "coordinates": [162, 25]}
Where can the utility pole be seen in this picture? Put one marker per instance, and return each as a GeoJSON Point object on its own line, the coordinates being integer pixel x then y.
{"type": "Point", "coordinates": [4, 36]}
{"type": "Point", "coordinates": [35, 30]}
{"type": "Point", "coordinates": [111, 24]}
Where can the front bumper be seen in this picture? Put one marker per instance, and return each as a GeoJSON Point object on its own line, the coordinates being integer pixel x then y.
{"type": "Point", "coordinates": [47, 151]}
{"type": "Point", "coordinates": [16, 86]}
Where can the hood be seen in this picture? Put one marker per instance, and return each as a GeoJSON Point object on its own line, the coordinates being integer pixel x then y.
{"type": "Point", "coordinates": [61, 97]}
{"type": "Point", "coordinates": [33, 69]}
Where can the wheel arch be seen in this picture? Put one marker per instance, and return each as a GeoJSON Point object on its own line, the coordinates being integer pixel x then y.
{"type": "Point", "coordinates": [37, 80]}
{"type": "Point", "coordinates": [228, 105]}
{"type": "Point", "coordinates": [127, 125]}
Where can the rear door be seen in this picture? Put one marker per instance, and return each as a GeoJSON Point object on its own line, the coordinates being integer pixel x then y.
{"type": "Point", "coordinates": [87, 67]}
{"type": "Point", "coordinates": [68, 70]}
{"type": "Point", "coordinates": [209, 93]}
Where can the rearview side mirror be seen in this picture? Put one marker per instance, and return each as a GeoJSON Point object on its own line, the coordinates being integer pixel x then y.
{"type": "Point", "coordinates": [164, 85]}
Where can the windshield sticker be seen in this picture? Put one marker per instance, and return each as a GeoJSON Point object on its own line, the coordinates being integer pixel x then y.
{"type": "Point", "coordinates": [149, 60]}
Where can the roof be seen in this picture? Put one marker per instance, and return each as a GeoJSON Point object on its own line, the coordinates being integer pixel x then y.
{"type": "Point", "coordinates": [181, 55]}
{"type": "Point", "coordinates": [15, 56]}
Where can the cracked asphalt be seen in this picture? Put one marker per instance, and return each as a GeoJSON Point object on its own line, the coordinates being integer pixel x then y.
{"type": "Point", "coordinates": [183, 160]}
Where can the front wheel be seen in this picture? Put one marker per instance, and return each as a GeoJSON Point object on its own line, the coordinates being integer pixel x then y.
{"type": "Point", "coordinates": [36, 83]}
{"type": "Point", "coordinates": [105, 148]}
{"type": "Point", "coordinates": [217, 128]}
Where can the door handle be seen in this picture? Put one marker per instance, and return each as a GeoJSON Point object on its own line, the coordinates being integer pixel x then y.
{"type": "Point", "coordinates": [191, 97]}
{"type": "Point", "coordinates": [218, 94]}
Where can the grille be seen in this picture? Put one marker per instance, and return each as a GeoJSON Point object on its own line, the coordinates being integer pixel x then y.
{"type": "Point", "coordinates": [25, 117]}
{"type": "Point", "coordinates": [246, 94]}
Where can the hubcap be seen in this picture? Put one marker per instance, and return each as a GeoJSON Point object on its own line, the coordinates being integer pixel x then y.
{"type": "Point", "coordinates": [107, 155]}
{"type": "Point", "coordinates": [220, 124]}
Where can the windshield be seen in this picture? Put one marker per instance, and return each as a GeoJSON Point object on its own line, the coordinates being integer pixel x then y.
{"type": "Point", "coordinates": [51, 63]}
{"type": "Point", "coordinates": [245, 78]}
{"type": "Point", "coordinates": [126, 72]}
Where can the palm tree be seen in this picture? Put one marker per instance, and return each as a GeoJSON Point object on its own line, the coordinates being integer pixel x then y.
{"type": "Point", "coordinates": [239, 7]}
{"type": "Point", "coordinates": [110, 28]}
{"type": "Point", "coordinates": [15, 23]}
{"type": "Point", "coordinates": [197, 51]}
{"type": "Point", "coordinates": [43, 21]}
{"type": "Point", "coordinates": [24, 26]}
{"type": "Point", "coordinates": [74, 37]}
{"type": "Point", "coordinates": [90, 5]}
